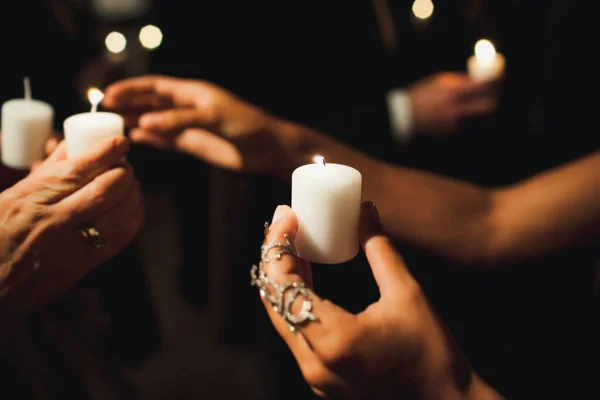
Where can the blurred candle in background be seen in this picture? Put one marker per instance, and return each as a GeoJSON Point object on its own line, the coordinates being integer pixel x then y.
{"type": "Point", "coordinates": [486, 64]}
{"type": "Point", "coordinates": [422, 10]}
{"type": "Point", "coordinates": [26, 126]}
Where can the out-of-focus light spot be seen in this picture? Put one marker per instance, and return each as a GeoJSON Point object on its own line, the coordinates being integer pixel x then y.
{"type": "Point", "coordinates": [422, 9]}
{"type": "Point", "coordinates": [150, 37]}
{"type": "Point", "coordinates": [115, 42]}
{"type": "Point", "coordinates": [484, 50]}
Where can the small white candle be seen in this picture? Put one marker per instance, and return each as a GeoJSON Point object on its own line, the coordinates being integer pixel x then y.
{"type": "Point", "coordinates": [486, 64]}
{"type": "Point", "coordinates": [26, 126]}
{"type": "Point", "coordinates": [83, 131]}
{"type": "Point", "coordinates": [326, 199]}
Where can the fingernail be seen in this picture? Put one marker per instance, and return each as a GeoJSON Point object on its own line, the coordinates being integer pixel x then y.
{"type": "Point", "coordinates": [149, 120]}
{"type": "Point", "coordinates": [277, 215]}
{"type": "Point", "coordinates": [371, 218]}
{"type": "Point", "coordinates": [135, 133]}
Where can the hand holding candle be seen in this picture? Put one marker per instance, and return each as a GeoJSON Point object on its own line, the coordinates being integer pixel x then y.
{"type": "Point", "coordinates": [26, 126]}
{"type": "Point", "coordinates": [83, 131]}
{"type": "Point", "coordinates": [486, 64]}
{"type": "Point", "coordinates": [326, 199]}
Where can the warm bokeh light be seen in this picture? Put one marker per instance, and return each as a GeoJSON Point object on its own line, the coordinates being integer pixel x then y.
{"type": "Point", "coordinates": [115, 42]}
{"type": "Point", "coordinates": [319, 159]}
{"type": "Point", "coordinates": [484, 50]}
{"type": "Point", "coordinates": [151, 37]}
{"type": "Point", "coordinates": [95, 96]}
{"type": "Point", "coordinates": [422, 9]}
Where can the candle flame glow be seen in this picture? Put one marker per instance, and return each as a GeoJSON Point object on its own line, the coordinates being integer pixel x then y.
{"type": "Point", "coordinates": [484, 50]}
{"type": "Point", "coordinates": [150, 37]}
{"type": "Point", "coordinates": [115, 42]}
{"type": "Point", "coordinates": [319, 160]}
{"type": "Point", "coordinates": [422, 9]}
{"type": "Point", "coordinates": [95, 96]}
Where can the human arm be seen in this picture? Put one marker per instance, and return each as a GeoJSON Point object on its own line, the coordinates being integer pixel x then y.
{"type": "Point", "coordinates": [461, 221]}
{"type": "Point", "coordinates": [396, 348]}
{"type": "Point", "coordinates": [42, 250]}
{"type": "Point", "coordinates": [454, 219]}
{"type": "Point", "coordinates": [439, 105]}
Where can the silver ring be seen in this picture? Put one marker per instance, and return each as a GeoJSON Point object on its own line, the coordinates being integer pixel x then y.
{"type": "Point", "coordinates": [92, 237]}
{"type": "Point", "coordinates": [284, 294]}
{"type": "Point", "coordinates": [285, 247]}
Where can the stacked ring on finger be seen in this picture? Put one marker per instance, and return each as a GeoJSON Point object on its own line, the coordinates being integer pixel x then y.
{"type": "Point", "coordinates": [284, 294]}
{"type": "Point", "coordinates": [92, 237]}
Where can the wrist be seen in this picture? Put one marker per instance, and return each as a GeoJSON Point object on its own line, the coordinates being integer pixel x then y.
{"type": "Point", "coordinates": [445, 372]}
{"type": "Point", "coordinates": [458, 383]}
{"type": "Point", "coordinates": [295, 145]}
{"type": "Point", "coordinates": [480, 390]}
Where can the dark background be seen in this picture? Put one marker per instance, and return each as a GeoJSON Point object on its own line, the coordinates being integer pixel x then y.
{"type": "Point", "coordinates": [184, 316]}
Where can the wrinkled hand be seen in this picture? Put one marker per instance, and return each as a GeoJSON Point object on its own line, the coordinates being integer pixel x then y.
{"type": "Point", "coordinates": [397, 347]}
{"type": "Point", "coordinates": [197, 118]}
{"type": "Point", "coordinates": [42, 250]}
{"type": "Point", "coordinates": [442, 102]}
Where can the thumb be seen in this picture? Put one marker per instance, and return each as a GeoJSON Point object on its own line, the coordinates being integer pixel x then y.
{"type": "Point", "coordinates": [283, 228]}
{"type": "Point", "coordinates": [52, 144]}
{"type": "Point", "coordinates": [59, 153]}
{"type": "Point", "coordinates": [387, 265]}
{"type": "Point", "coordinates": [177, 120]}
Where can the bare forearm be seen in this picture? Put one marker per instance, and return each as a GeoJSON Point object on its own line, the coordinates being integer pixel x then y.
{"type": "Point", "coordinates": [460, 221]}
{"type": "Point", "coordinates": [439, 214]}
{"type": "Point", "coordinates": [549, 212]}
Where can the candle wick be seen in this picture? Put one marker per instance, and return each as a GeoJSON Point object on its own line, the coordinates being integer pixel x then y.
{"type": "Point", "coordinates": [319, 160]}
{"type": "Point", "coordinates": [27, 86]}
{"type": "Point", "coordinates": [94, 108]}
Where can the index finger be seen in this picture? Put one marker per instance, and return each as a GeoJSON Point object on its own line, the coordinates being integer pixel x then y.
{"type": "Point", "coordinates": [286, 286]}
{"type": "Point", "coordinates": [389, 270]}
{"type": "Point", "coordinates": [123, 94]}
{"type": "Point", "coordinates": [470, 89]}
{"type": "Point", "coordinates": [65, 176]}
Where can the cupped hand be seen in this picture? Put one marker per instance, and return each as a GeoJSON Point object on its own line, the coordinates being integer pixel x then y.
{"type": "Point", "coordinates": [396, 348]}
{"type": "Point", "coordinates": [197, 118]}
{"type": "Point", "coordinates": [443, 101]}
{"type": "Point", "coordinates": [50, 220]}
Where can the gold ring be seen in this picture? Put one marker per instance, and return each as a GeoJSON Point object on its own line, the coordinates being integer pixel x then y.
{"type": "Point", "coordinates": [92, 237]}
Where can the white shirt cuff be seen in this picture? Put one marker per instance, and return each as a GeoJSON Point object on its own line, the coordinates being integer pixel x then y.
{"type": "Point", "coordinates": [401, 118]}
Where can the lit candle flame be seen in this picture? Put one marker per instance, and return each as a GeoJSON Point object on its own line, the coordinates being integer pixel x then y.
{"type": "Point", "coordinates": [484, 50]}
{"type": "Point", "coordinates": [95, 96]}
{"type": "Point", "coordinates": [319, 160]}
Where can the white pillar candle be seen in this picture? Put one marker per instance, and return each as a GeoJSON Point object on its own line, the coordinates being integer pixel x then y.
{"type": "Point", "coordinates": [326, 199]}
{"type": "Point", "coordinates": [26, 126]}
{"type": "Point", "coordinates": [83, 131]}
{"type": "Point", "coordinates": [486, 64]}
